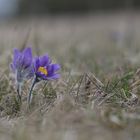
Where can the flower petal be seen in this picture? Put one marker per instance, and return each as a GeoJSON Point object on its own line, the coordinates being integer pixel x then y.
{"type": "Point", "coordinates": [44, 60]}
{"type": "Point", "coordinates": [36, 64]}
{"type": "Point", "coordinates": [27, 57]}
{"type": "Point", "coordinates": [17, 54]}
{"type": "Point", "coordinates": [53, 68]}
{"type": "Point", "coordinates": [55, 76]}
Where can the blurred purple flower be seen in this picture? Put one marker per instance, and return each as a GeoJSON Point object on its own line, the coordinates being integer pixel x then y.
{"type": "Point", "coordinates": [44, 69]}
{"type": "Point", "coordinates": [22, 64]}
{"type": "Point", "coordinates": [22, 67]}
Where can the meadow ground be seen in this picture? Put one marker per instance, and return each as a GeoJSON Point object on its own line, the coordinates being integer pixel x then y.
{"type": "Point", "coordinates": [97, 96]}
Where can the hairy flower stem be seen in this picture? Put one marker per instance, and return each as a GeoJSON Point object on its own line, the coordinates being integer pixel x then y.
{"type": "Point", "coordinates": [31, 90]}
{"type": "Point", "coordinates": [19, 91]}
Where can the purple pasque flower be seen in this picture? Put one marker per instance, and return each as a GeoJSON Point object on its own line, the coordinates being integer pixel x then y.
{"type": "Point", "coordinates": [22, 67]}
{"type": "Point", "coordinates": [44, 68]}
{"type": "Point", "coordinates": [22, 64]}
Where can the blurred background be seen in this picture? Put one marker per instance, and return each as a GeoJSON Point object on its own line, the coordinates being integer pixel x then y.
{"type": "Point", "coordinates": [85, 29]}
{"type": "Point", "coordinates": [37, 7]}
{"type": "Point", "coordinates": [73, 6]}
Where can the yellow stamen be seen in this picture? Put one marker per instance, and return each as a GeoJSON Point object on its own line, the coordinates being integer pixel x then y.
{"type": "Point", "coordinates": [43, 70]}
